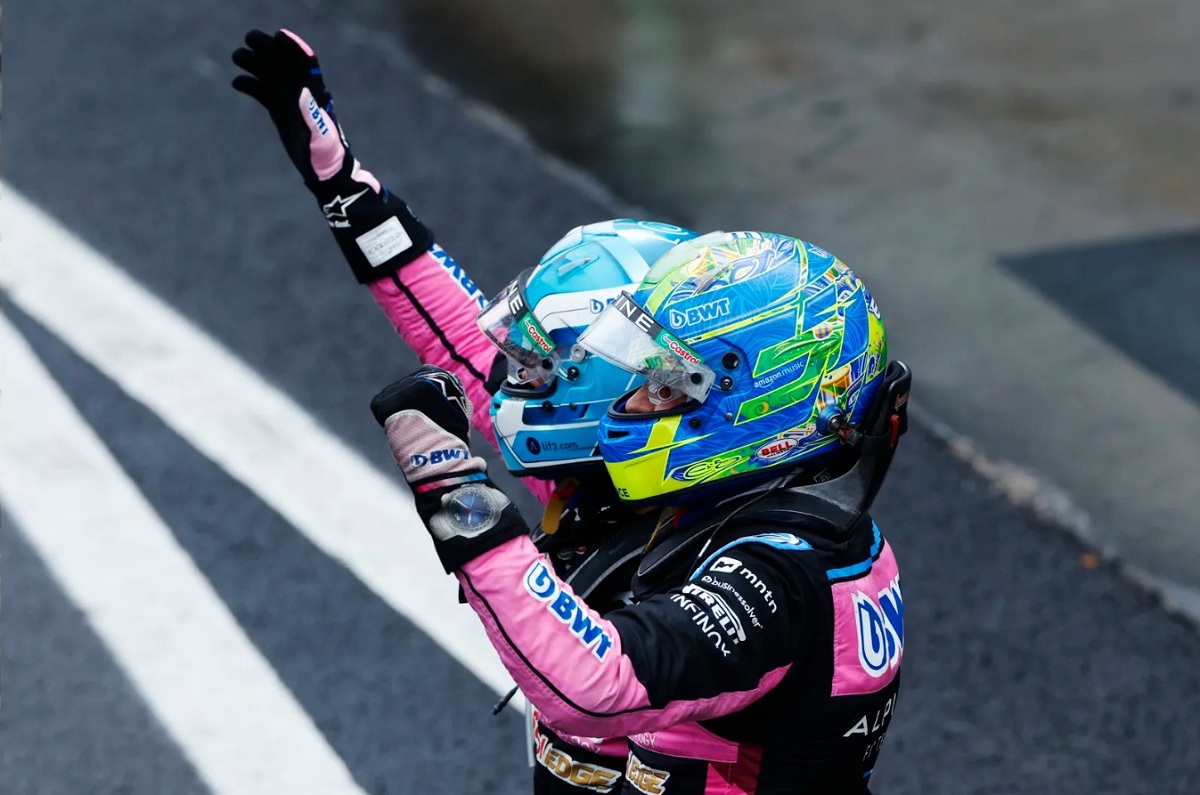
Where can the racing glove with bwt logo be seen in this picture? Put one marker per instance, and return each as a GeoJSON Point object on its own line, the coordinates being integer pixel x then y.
{"type": "Point", "coordinates": [375, 229]}
{"type": "Point", "coordinates": [425, 418]}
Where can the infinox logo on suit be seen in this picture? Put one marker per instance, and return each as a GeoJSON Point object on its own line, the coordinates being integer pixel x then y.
{"type": "Point", "coordinates": [541, 583]}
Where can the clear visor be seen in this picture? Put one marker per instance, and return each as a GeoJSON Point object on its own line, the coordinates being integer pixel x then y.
{"type": "Point", "coordinates": [507, 321]}
{"type": "Point", "coordinates": [629, 337]}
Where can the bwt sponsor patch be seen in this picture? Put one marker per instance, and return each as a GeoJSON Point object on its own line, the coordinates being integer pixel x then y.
{"type": "Point", "coordinates": [434, 457]}
{"type": "Point", "coordinates": [460, 277]}
{"type": "Point", "coordinates": [542, 585]}
{"type": "Point", "coordinates": [698, 314]}
{"type": "Point", "coordinates": [597, 306]}
{"type": "Point", "coordinates": [880, 625]}
{"type": "Point", "coordinates": [314, 110]}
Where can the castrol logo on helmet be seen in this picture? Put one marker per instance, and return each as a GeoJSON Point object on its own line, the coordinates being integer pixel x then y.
{"type": "Point", "coordinates": [677, 348]}
{"type": "Point", "coordinates": [535, 334]}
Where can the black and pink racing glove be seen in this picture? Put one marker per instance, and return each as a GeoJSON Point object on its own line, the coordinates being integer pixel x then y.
{"type": "Point", "coordinates": [375, 229]}
{"type": "Point", "coordinates": [425, 418]}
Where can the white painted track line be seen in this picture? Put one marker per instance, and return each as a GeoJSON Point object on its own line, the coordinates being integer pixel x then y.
{"type": "Point", "coordinates": [249, 428]}
{"type": "Point", "coordinates": [213, 692]}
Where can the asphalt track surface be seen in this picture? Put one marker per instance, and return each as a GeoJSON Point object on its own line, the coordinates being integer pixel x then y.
{"type": "Point", "coordinates": [1026, 672]}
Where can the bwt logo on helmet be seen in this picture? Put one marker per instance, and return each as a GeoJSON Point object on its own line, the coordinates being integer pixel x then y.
{"type": "Point", "coordinates": [434, 457]}
{"type": "Point", "coordinates": [698, 314]}
{"type": "Point", "coordinates": [543, 586]}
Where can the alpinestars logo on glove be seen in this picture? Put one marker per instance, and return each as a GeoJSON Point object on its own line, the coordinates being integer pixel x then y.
{"type": "Point", "coordinates": [543, 586]}
{"type": "Point", "coordinates": [335, 211]}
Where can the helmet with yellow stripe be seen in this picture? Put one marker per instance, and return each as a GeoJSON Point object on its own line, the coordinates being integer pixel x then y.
{"type": "Point", "coordinates": [761, 354]}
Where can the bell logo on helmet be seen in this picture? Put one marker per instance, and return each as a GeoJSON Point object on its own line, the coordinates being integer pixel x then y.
{"type": "Point", "coordinates": [597, 306]}
{"type": "Point", "coordinates": [776, 449]}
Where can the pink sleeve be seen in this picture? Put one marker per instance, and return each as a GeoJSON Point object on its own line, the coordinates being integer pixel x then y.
{"type": "Point", "coordinates": [566, 658]}
{"type": "Point", "coordinates": [432, 303]}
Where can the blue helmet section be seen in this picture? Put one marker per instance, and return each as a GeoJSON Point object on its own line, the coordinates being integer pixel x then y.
{"type": "Point", "coordinates": [798, 349]}
{"type": "Point", "coordinates": [553, 431]}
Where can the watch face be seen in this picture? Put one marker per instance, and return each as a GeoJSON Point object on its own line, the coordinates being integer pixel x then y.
{"type": "Point", "coordinates": [472, 508]}
{"type": "Point", "coordinates": [467, 512]}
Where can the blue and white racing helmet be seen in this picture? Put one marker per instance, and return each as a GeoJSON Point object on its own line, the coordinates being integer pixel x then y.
{"type": "Point", "coordinates": [547, 410]}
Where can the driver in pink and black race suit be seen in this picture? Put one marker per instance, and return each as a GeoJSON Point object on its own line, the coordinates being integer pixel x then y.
{"type": "Point", "coordinates": [766, 611]}
{"type": "Point", "coordinates": [538, 396]}
{"type": "Point", "coordinates": [762, 649]}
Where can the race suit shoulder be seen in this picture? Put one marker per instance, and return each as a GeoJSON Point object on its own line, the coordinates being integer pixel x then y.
{"type": "Point", "coordinates": [774, 665]}
{"type": "Point", "coordinates": [432, 303]}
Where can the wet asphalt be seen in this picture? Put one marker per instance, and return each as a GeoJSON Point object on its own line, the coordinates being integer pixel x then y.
{"type": "Point", "coordinates": [1026, 671]}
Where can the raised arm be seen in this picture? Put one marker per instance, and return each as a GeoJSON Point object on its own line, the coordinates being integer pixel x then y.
{"type": "Point", "coordinates": [429, 299]}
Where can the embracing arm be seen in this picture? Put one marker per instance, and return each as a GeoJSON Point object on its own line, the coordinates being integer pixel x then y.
{"type": "Point", "coordinates": [707, 648]}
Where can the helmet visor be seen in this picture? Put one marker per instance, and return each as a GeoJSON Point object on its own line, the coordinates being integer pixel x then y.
{"type": "Point", "coordinates": [509, 323]}
{"type": "Point", "coordinates": [629, 337]}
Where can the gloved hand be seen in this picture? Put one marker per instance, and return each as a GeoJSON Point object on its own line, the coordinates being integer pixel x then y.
{"type": "Point", "coordinates": [425, 418]}
{"type": "Point", "coordinates": [376, 230]}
